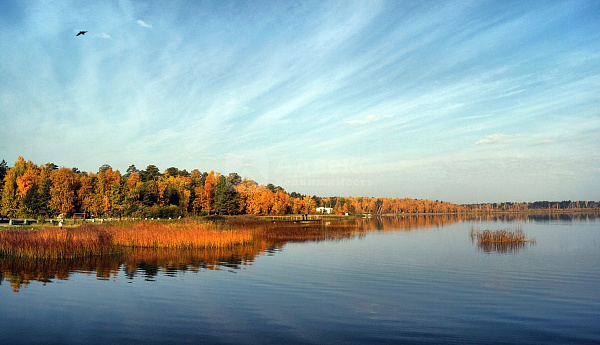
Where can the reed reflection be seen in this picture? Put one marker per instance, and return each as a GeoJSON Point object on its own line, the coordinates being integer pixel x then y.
{"type": "Point", "coordinates": [501, 248]}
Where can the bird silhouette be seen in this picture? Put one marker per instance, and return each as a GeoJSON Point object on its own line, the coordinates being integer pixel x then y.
{"type": "Point", "coordinates": [81, 33]}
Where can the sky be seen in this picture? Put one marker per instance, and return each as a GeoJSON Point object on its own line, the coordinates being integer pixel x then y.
{"type": "Point", "coordinates": [461, 101]}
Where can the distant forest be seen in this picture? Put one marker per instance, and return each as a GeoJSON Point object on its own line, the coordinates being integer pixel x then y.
{"type": "Point", "coordinates": [29, 190]}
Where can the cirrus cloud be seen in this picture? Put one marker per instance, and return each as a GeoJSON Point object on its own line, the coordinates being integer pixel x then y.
{"type": "Point", "coordinates": [495, 139]}
{"type": "Point", "coordinates": [367, 119]}
{"type": "Point", "coordinates": [144, 24]}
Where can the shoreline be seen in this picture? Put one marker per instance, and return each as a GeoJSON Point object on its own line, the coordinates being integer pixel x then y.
{"type": "Point", "coordinates": [24, 222]}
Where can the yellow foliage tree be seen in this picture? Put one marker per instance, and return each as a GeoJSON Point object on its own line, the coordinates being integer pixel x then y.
{"type": "Point", "coordinates": [208, 193]}
{"type": "Point", "coordinates": [30, 177]}
{"type": "Point", "coordinates": [89, 203]}
{"type": "Point", "coordinates": [63, 191]}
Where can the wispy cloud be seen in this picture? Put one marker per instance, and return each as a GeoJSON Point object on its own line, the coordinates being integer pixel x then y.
{"type": "Point", "coordinates": [105, 36]}
{"type": "Point", "coordinates": [370, 119]}
{"type": "Point", "coordinates": [143, 24]}
{"type": "Point", "coordinates": [495, 139]}
{"type": "Point", "coordinates": [367, 119]}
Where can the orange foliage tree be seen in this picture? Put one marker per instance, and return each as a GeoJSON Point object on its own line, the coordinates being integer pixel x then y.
{"type": "Point", "coordinates": [108, 191]}
{"type": "Point", "coordinates": [63, 191]}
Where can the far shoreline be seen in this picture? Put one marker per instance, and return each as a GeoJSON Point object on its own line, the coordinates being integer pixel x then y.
{"type": "Point", "coordinates": [39, 223]}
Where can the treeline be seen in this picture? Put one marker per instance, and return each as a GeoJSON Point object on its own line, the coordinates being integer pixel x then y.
{"type": "Point", "coordinates": [29, 190]}
{"type": "Point", "coordinates": [533, 206]}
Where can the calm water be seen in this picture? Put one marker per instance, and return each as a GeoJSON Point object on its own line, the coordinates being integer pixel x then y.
{"type": "Point", "coordinates": [417, 280]}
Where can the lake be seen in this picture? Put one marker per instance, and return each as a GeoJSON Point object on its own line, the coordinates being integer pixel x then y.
{"type": "Point", "coordinates": [407, 280]}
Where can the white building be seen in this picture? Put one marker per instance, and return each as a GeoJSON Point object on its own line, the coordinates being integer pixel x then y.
{"type": "Point", "coordinates": [324, 210]}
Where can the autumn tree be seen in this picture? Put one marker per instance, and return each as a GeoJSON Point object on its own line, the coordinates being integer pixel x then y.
{"type": "Point", "coordinates": [243, 192]}
{"type": "Point", "coordinates": [208, 194]}
{"type": "Point", "coordinates": [280, 203]}
{"type": "Point", "coordinates": [65, 184]}
{"type": "Point", "coordinates": [254, 199]}
{"type": "Point", "coordinates": [27, 190]}
{"type": "Point", "coordinates": [196, 190]}
{"type": "Point", "coordinates": [20, 191]}
{"type": "Point", "coordinates": [132, 193]}
{"type": "Point", "coordinates": [9, 194]}
{"type": "Point", "coordinates": [263, 200]}
{"type": "Point", "coordinates": [108, 191]}
{"type": "Point", "coordinates": [308, 205]}
{"type": "Point", "coordinates": [89, 202]}
{"type": "Point", "coordinates": [297, 205]}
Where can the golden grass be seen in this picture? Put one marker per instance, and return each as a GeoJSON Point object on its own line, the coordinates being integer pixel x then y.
{"type": "Point", "coordinates": [53, 243]}
{"type": "Point", "coordinates": [90, 240]}
{"type": "Point", "coordinates": [173, 235]}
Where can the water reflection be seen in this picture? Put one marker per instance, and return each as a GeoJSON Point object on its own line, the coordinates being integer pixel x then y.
{"type": "Point", "coordinates": [501, 248]}
{"type": "Point", "coordinates": [540, 217]}
{"type": "Point", "coordinates": [138, 262]}
{"type": "Point", "coordinates": [269, 240]}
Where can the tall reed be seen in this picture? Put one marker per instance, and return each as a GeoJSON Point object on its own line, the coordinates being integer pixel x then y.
{"type": "Point", "coordinates": [88, 240]}
{"type": "Point", "coordinates": [515, 235]}
{"type": "Point", "coordinates": [54, 243]}
{"type": "Point", "coordinates": [173, 235]}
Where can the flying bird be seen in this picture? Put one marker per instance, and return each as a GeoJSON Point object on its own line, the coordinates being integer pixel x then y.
{"type": "Point", "coordinates": [81, 33]}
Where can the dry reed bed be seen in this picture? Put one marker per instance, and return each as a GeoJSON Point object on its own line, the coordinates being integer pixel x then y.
{"type": "Point", "coordinates": [54, 243]}
{"type": "Point", "coordinates": [91, 240]}
{"type": "Point", "coordinates": [515, 235]}
{"type": "Point", "coordinates": [184, 235]}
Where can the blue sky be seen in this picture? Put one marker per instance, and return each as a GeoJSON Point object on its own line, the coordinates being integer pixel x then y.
{"type": "Point", "coordinates": [463, 101]}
